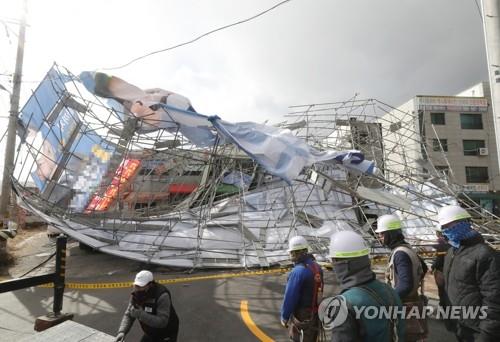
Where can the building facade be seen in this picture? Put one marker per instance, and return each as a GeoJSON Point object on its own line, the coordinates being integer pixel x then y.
{"type": "Point", "coordinates": [455, 139]}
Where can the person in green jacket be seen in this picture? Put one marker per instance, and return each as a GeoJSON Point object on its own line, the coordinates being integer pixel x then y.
{"type": "Point", "coordinates": [350, 314]}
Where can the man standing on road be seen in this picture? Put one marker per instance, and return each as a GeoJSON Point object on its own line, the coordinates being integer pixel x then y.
{"type": "Point", "coordinates": [442, 247]}
{"type": "Point", "coordinates": [471, 276]}
{"type": "Point", "coordinates": [299, 312]}
{"type": "Point", "coordinates": [349, 254]}
{"type": "Point", "coordinates": [151, 304]}
{"type": "Point", "coordinates": [405, 273]}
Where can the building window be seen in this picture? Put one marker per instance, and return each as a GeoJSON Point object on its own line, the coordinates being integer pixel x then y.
{"type": "Point", "coordinates": [437, 144]}
{"type": "Point", "coordinates": [471, 147]}
{"type": "Point", "coordinates": [438, 119]}
{"type": "Point", "coordinates": [471, 121]}
{"type": "Point", "coordinates": [476, 174]}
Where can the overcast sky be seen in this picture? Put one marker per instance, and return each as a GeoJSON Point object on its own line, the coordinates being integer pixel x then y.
{"type": "Point", "coordinates": [304, 51]}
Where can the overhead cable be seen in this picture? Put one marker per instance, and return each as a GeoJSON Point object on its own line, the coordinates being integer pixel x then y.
{"type": "Point", "coordinates": [199, 37]}
{"type": "Point", "coordinates": [479, 10]}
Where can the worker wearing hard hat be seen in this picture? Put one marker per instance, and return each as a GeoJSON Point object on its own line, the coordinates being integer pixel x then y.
{"type": "Point", "coordinates": [349, 254]}
{"type": "Point", "coordinates": [471, 275]}
{"type": "Point", "coordinates": [405, 269]}
{"type": "Point", "coordinates": [405, 272]}
{"type": "Point", "coordinates": [299, 311]}
{"type": "Point", "coordinates": [151, 304]}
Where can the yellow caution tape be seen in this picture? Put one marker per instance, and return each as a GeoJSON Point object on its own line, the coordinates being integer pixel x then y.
{"type": "Point", "coordinates": [129, 284]}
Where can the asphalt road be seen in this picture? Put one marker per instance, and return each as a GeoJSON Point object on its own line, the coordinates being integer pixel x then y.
{"type": "Point", "coordinates": [209, 309]}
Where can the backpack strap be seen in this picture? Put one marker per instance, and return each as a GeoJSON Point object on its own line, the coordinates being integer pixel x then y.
{"type": "Point", "coordinates": [393, 323]}
{"type": "Point", "coordinates": [317, 285]}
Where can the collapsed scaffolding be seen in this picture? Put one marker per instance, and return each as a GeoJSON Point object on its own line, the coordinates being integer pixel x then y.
{"type": "Point", "coordinates": [143, 176]}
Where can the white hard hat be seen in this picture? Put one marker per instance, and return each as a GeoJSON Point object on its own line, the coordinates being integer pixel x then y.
{"type": "Point", "coordinates": [388, 222]}
{"type": "Point", "coordinates": [143, 278]}
{"type": "Point", "coordinates": [297, 243]}
{"type": "Point", "coordinates": [451, 213]}
{"type": "Point", "coordinates": [348, 244]}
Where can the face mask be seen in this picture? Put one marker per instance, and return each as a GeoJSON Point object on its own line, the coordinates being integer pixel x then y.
{"type": "Point", "coordinates": [458, 232]}
{"type": "Point", "coordinates": [139, 297]}
{"type": "Point", "coordinates": [341, 269]}
{"type": "Point", "coordinates": [353, 271]}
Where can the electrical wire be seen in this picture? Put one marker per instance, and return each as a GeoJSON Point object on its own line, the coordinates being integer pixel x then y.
{"type": "Point", "coordinates": [39, 265]}
{"type": "Point", "coordinates": [199, 37]}
{"type": "Point", "coordinates": [479, 10]}
{"type": "Point", "coordinates": [3, 136]}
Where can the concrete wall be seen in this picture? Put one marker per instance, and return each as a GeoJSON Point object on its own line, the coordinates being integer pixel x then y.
{"type": "Point", "coordinates": [452, 107]}
{"type": "Point", "coordinates": [455, 135]}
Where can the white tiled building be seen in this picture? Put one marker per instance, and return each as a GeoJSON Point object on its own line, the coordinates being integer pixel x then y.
{"type": "Point", "coordinates": [457, 135]}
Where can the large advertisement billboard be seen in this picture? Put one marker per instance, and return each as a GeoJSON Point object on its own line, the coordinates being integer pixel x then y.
{"type": "Point", "coordinates": [69, 160]}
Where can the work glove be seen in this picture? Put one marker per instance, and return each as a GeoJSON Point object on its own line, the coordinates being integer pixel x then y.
{"type": "Point", "coordinates": [120, 337]}
{"type": "Point", "coordinates": [284, 323]}
{"type": "Point", "coordinates": [135, 313]}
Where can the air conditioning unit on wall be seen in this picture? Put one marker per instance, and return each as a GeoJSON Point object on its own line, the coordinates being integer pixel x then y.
{"type": "Point", "coordinates": [483, 151]}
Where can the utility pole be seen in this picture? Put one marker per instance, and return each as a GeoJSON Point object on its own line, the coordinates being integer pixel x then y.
{"type": "Point", "coordinates": [5, 196]}
{"type": "Point", "coordinates": [491, 24]}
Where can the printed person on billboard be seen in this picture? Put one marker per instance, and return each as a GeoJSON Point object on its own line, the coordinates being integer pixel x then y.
{"type": "Point", "coordinates": [45, 152]}
{"type": "Point", "coordinates": [140, 103]}
{"type": "Point", "coordinates": [81, 171]}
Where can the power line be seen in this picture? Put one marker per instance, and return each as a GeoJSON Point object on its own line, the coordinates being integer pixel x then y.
{"type": "Point", "coordinates": [201, 36]}
{"type": "Point", "coordinates": [479, 10]}
{"type": "Point", "coordinates": [3, 136]}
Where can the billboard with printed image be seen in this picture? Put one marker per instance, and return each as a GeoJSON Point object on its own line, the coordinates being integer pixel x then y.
{"type": "Point", "coordinates": [69, 159]}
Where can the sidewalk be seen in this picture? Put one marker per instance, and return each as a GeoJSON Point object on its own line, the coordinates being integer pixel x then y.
{"type": "Point", "coordinates": [30, 249]}
{"type": "Point", "coordinates": [69, 331]}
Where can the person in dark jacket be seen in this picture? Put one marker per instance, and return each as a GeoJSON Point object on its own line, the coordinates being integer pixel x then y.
{"type": "Point", "coordinates": [405, 273]}
{"type": "Point", "coordinates": [472, 277]}
{"type": "Point", "coordinates": [151, 304]}
{"type": "Point", "coordinates": [441, 248]}
{"type": "Point", "coordinates": [359, 289]}
{"type": "Point", "coordinates": [437, 266]}
{"type": "Point", "coordinates": [303, 292]}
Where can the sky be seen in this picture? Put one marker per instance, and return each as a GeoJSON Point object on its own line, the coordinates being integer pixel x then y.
{"type": "Point", "coordinates": [302, 52]}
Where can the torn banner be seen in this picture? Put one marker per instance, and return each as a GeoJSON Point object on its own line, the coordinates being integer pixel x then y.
{"type": "Point", "coordinates": [277, 150]}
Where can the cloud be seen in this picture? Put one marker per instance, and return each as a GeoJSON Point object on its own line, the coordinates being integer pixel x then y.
{"type": "Point", "coordinates": [302, 52]}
